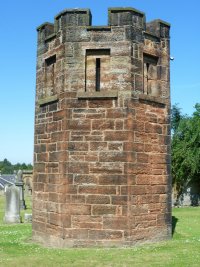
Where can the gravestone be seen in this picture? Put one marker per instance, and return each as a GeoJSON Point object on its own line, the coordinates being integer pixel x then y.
{"type": "Point", "coordinates": [20, 184]}
{"type": "Point", "coordinates": [12, 209]}
{"type": "Point", "coordinates": [27, 218]}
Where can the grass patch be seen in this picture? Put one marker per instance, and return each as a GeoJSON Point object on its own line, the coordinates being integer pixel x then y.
{"type": "Point", "coordinates": [182, 250]}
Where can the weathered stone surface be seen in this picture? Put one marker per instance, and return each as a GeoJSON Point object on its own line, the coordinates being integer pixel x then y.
{"type": "Point", "coordinates": [102, 131]}
{"type": "Point", "coordinates": [12, 207]}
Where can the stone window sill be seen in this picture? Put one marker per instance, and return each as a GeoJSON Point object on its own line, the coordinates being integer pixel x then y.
{"type": "Point", "coordinates": [153, 99]}
{"type": "Point", "coordinates": [47, 100]}
{"type": "Point", "coordinates": [98, 95]}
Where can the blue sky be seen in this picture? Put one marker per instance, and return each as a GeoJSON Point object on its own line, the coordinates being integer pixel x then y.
{"type": "Point", "coordinates": [19, 19]}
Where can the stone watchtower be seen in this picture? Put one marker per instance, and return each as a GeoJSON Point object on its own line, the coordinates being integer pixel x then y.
{"type": "Point", "coordinates": [102, 131]}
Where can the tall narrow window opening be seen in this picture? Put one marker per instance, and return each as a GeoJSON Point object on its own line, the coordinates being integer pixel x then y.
{"type": "Point", "coordinates": [97, 70]}
{"type": "Point", "coordinates": [150, 75]}
{"type": "Point", "coordinates": [49, 75]}
{"type": "Point", "coordinates": [98, 73]}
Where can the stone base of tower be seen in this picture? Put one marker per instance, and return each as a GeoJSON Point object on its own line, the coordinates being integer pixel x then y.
{"type": "Point", "coordinates": [140, 237]}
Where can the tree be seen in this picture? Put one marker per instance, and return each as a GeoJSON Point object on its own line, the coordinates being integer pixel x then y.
{"type": "Point", "coordinates": [185, 148]}
{"type": "Point", "coordinates": [176, 117]}
{"type": "Point", "coordinates": [6, 167]}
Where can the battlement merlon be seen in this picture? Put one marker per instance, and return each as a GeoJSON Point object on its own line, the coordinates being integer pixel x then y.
{"type": "Point", "coordinates": [45, 30]}
{"type": "Point", "coordinates": [122, 16]}
{"type": "Point", "coordinates": [159, 28]}
{"type": "Point", "coordinates": [46, 25]}
{"type": "Point", "coordinates": [66, 18]}
{"type": "Point", "coordinates": [73, 17]}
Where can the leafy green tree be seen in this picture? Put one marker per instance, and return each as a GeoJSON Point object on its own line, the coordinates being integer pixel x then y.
{"type": "Point", "coordinates": [185, 148]}
{"type": "Point", "coordinates": [23, 166]}
{"type": "Point", "coordinates": [6, 167]}
{"type": "Point", "coordinates": [176, 117]}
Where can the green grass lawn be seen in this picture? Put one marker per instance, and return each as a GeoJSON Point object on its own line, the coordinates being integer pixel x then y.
{"type": "Point", "coordinates": [182, 250]}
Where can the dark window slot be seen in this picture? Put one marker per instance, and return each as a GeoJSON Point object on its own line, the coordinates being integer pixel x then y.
{"type": "Point", "coordinates": [51, 60]}
{"type": "Point", "coordinates": [98, 73]}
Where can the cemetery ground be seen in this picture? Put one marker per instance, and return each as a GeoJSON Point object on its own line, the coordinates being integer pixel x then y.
{"type": "Point", "coordinates": [16, 248]}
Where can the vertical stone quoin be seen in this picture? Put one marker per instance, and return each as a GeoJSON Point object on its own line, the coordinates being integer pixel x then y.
{"type": "Point", "coordinates": [102, 131]}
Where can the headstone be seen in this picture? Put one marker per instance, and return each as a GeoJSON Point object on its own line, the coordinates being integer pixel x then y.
{"type": "Point", "coordinates": [19, 176]}
{"type": "Point", "coordinates": [27, 218]}
{"type": "Point", "coordinates": [20, 184]}
{"type": "Point", "coordinates": [15, 174]}
{"type": "Point", "coordinates": [12, 208]}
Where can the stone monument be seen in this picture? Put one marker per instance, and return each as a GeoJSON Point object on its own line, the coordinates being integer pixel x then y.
{"type": "Point", "coordinates": [20, 184]}
{"type": "Point", "coordinates": [12, 208]}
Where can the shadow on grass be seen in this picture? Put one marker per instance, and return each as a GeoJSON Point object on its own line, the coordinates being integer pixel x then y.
{"type": "Point", "coordinates": [174, 222]}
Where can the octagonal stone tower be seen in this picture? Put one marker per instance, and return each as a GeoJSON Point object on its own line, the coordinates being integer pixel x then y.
{"type": "Point", "coordinates": [102, 131]}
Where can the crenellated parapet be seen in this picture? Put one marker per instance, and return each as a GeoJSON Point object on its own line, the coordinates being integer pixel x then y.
{"type": "Point", "coordinates": [117, 17]}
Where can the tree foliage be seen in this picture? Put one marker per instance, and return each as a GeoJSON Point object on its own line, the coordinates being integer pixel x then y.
{"type": "Point", "coordinates": [176, 116]}
{"type": "Point", "coordinates": [185, 148]}
{"type": "Point", "coordinates": [6, 167]}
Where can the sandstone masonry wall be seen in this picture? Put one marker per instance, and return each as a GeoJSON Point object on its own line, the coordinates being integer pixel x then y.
{"type": "Point", "coordinates": [102, 131]}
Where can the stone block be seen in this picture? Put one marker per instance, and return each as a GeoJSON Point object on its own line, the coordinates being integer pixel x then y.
{"type": "Point", "coordinates": [98, 199]}
{"type": "Point", "coordinates": [105, 235]}
{"type": "Point", "coordinates": [115, 223]}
